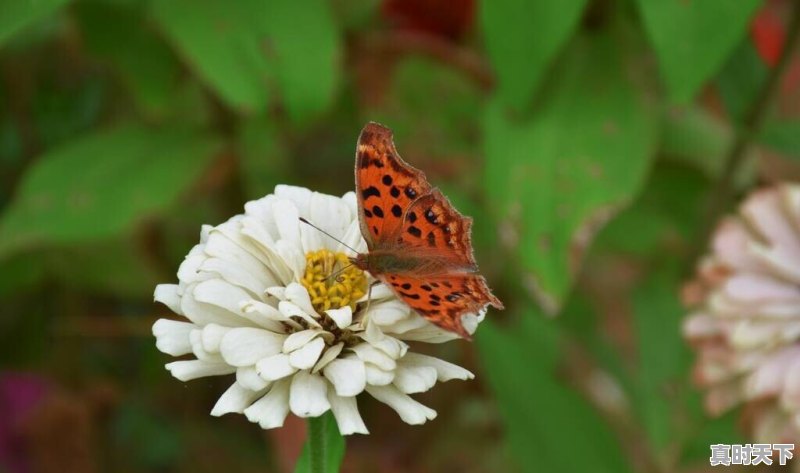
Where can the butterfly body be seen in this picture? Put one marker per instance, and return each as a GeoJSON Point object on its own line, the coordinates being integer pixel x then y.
{"type": "Point", "coordinates": [418, 243]}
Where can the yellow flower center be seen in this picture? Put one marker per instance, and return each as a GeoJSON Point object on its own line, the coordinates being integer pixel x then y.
{"type": "Point", "coordinates": [331, 281]}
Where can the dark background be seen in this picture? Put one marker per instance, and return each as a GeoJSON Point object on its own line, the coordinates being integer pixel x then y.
{"type": "Point", "coordinates": [591, 140]}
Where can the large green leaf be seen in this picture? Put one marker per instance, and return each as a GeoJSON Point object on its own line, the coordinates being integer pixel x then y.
{"type": "Point", "coordinates": [306, 46]}
{"type": "Point", "coordinates": [522, 38]}
{"type": "Point", "coordinates": [118, 35]}
{"type": "Point", "coordinates": [100, 185]}
{"type": "Point", "coordinates": [224, 43]}
{"type": "Point", "coordinates": [692, 39]}
{"type": "Point", "coordinates": [17, 14]}
{"type": "Point", "coordinates": [333, 444]}
{"type": "Point", "coordinates": [548, 426]}
{"type": "Point", "coordinates": [557, 177]}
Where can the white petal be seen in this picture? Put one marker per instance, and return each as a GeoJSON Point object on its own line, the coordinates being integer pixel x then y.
{"type": "Point", "coordinates": [353, 239]}
{"type": "Point", "coordinates": [411, 411]}
{"type": "Point", "coordinates": [299, 339]}
{"type": "Point", "coordinates": [348, 376]}
{"type": "Point", "coordinates": [203, 314]}
{"type": "Point", "coordinates": [378, 377]}
{"type": "Point", "coordinates": [345, 410]}
{"type": "Point", "coordinates": [445, 371]}
{"type": "Point", "coordinates": [270, 411]}
{"type": "Point", "coordinates": [245, 346]}
{"type": "Point", "coordinates": [235, 400]}
{"type": "Point", "coordinates": [186, 370]}
{"type": "Point", "coordinates": [298, 295]}
{"type": "Point", "coordinates": [391, 346]}
{"type": "Point", "coordinates": [287, 220]}
{"type": "Point", "coordinates": [329, 355]}
{"type": "Point", "coordinates": [291, 310]}
{"type": "Point", "coordinates": [248, 377]}
{"type": "Point", "coordinates": [212, 337]}
{"type": "Point", "coordinates": [221, 294]}
{"type": "Point", "coordinates": [292, 256]}
{"type": "Point", "coordinates": [275, 367]}
{"type": "Point", "coordinates": [172, 337]}
{"type": "Point", "coordinates": [308, 395]}
{"type": "Point", "coordinates": [388, 312]}
{"type": "Point", "coordinates": [343, 317]}
{"type": "Point", "coordinates": [367, 352]}
{"type": "Point", "coordinates": [306, 357]}
{"type": "Point", "coordinates": [414, 379]}
{"type": "Point", "coordinates": [167, 294]}
{"type": "Point", "coordinates": [299, 196]}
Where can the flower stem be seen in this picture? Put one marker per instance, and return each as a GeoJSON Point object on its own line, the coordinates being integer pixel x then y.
{"type": "Point", "coordinates": [317, 443]}
{"type": "Point", "coordinates": [751, 124]}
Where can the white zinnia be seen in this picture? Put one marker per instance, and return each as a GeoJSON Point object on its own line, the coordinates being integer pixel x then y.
{"type": "Point", "coordinates": [746, 327]}
{"type": "Point", "coordinates": [296, 343]}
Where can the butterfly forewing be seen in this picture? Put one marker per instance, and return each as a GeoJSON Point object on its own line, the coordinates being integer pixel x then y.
{"type": "Point", "coordinates": [385, 185]}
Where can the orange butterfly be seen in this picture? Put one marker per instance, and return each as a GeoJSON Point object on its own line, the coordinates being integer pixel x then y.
{"type": "Point", "coordinates": [419, 245]}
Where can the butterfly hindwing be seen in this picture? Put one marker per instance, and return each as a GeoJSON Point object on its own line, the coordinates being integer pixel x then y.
{"type": "Point", "coordinates": [444, 299]}
{"type": "Point", "coordinates": [385, 186]}
{"type": "Point", "coordinates": [433, 225]}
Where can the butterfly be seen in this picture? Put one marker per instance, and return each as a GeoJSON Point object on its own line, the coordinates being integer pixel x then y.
{"type": "Point", "coordinates": [418, 243]}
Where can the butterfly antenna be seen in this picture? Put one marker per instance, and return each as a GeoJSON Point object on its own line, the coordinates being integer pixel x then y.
{"type": "Point", "coordinates": [328, 235]}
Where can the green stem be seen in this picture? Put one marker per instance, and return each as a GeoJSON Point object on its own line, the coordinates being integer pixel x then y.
{"type": "Point", "coordinates": [751, 124]}
{"type": "Point", "coordinates": [317, 446]}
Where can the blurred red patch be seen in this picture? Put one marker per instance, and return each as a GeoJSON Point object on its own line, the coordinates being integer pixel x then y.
{"type": "Point", "coordinates": [768, 31]}
{"type": "Point", "coordinates": [447, 18]}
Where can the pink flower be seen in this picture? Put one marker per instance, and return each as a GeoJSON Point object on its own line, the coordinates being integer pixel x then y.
{"type": "Point", "coordinates": [746, 320]}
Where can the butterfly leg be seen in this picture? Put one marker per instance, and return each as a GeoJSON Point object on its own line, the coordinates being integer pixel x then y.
{"type": "Point", "coordinates": [369, 294]}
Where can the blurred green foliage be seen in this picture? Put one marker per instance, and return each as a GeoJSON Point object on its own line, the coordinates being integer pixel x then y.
{"type": "Point", "coordinates": [586, 137]}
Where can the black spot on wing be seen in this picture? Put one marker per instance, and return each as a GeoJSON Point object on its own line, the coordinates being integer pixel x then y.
{"type": "Point", "coordinates": [394, 192]}
{"type": "Point", "coordinates": [377, 211]}
{"type": "Point", "coordinates": [431, 239]}
{"type": "Point", "coordinates": [397, 211]}
{"type": "Point", "coordinates": [412, 217]}
{"type": "Point", "coordinates": [369, 192]}
{"type": "Point", "coordinates": [367, 213]}
{"type": "Point", "coordinates": [410, 296]}
{"type": "Point", "coordinates": [410, 193]}
{"type": "Point", "coordinates": [415, 231]}
{"type": "Point", "coordinates": [406, 286]}
{"type": "Point", "coordinates": [431, 217]}
{"type": "Point", "coordinates": [387, 180]}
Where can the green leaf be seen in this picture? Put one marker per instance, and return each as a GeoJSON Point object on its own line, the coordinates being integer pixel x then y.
{"type": "Point", "coordinates": [224, 43]}
{"type": "Point", "coordinates": [522, 39]}
{"type": "Point", "coordinates": [664, 358]}
{"type": "Point", "coordinates": [262, 158]}
{"type": "Point", "coordinates": [741, 80]}
{"type": "Point", "coordinates": [17, 14]}
{"type": "Point", "coordinates": [692, 39]}
{"type": "Point", "coordinates": [549, 427]}
{"type": "Point", "coordinates": [557, 177]}
{"type": "Point", "coordinates": [305, 43]}
{"type": "Point", "coordinates": [118, 34]}
{"type": "Point", "coordinates": [334, 447]}
{"type": "Point", "coordinates": [99, 186]}
{"type": "Point", "coordinates": [783, 137]}
{"type": "Point", "coordinates": [447, 126]}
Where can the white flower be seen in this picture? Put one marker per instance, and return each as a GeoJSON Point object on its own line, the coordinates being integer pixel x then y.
{"type": "Point", "coordinates": [747, 326]}
{"type": "Point", "coordinates": [261, 304]}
